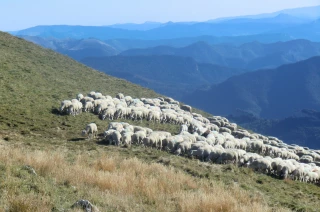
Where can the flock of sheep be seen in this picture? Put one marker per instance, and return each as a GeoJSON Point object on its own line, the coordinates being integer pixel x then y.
{"type": "Point", "coordinates": [213, 139]}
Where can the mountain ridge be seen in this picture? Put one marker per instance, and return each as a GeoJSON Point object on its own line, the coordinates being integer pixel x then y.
{"type": "Point", "coordinates": [170, 75]}
{"type": "Point", "coordinates": [253, 55]}
{"type": "Point", "coordinates": [263, 92]}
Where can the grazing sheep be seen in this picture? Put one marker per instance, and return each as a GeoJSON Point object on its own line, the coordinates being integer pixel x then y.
{"type": "Point", "coordinates": [65, 105]}
{"type": "Point", "coordinates": [120, 96]}
{"type": "Point", "coordinates": [75, 108]}
{"type": "Point", "coordinates": [90, 130]}
{"type": "Point", "coordinates": [127, 138]}
{"type": "Point", "coordinates": [80, 96]}
{"type": "Point", "coordinates": [108, 113]}
{"type": "Point", "coordinates": [213, 139]}
{"type": "Point", "coordinates": [138, 137]}
{"type": "Point", "coordinates": [88, 107]}
{"type": "Point", "coordinates": [186, 108]}
{"type": "Point", "coordinates": [154, 116]}
{"type": "Point", "coordinates": [116, 138]}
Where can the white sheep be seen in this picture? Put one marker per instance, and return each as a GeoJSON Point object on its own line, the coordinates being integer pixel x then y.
{"type": "Point", "coordinates": [65, 105]}
{"type": "Point", "coordinates": [120, 96]}
{"type": "Point", "coordinates": [80, 97]}
{"type": "Point", "coordinates": [127, 138]}
{"type": "Point", "coordinates": [116, 138]}
{"type": "Point", "coordinates": [90, 130]}
{"type": "Point", "coordinates": [88, 107]}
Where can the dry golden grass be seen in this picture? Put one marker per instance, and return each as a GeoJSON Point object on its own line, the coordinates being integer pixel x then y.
{"type": "Point", "coordinates": [114, 183]}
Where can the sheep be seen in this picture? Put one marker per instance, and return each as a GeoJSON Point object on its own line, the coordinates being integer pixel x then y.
{"type": "Point", "coordinates": [127, 138]}
{"type": "Point", "coordinates": [170, 143]}
{"type": "Point", "coordinates": [137, 115]}
{"type": "Point", "coordinates": [183, 147]}
{"type": "Point", "coordinates": [97, 95]}
{"type": "Point", "coordinates": [107, 135]}
{"type": "Point", "coordinates": [212, 139]}
{"type": "Point", "coordinates": [215, 153]}
{"type": "Point", "coordinates": [90, 130]}
{"type": "Point", "coordinates": [115, 126]}
{"type": "Point", "coordinates": [154, 115]}
{"type": "Point", "coordinates": [138, 137]}
{"type": "Point", "coordinates": [257, 146]}
{"type": "Point", "coordinates": [108, 113]}
{"type": "Point", "coordinates": [224, 129]}
{"type": "Point", "coordinates": [229, 156]}
{"type": "Point", "coordinates": [299, 174]}
{"type": "Point", "coordinates": [120, 96]}
{"type": "Point", "coordinates": [86, 99]}
{"type": "Point", "coordinates": [75, 108]}
{"type": "Point", "coordinates": [79, 97]}
{"type": "Point", "coordinates": [116, 138]}
{"type": "Point", "coordinates": [261, 164]}
{"type": "Point", "coordinates": [88, 107]}
{"type": "Point", "coordinates": [231, 126]}
{"type": "Point", "coordinates": [202, 153]}
{"type": "Point", "coordinates": [65, 105]}
{"type": "Point", "coordinates": [183, 128]}
{"type": "Point", "coordinates": [155, 139]}
{"type": "Point", "coordinates": [186, 108]}
{"type": "Point", "coordinates": [306, 159]}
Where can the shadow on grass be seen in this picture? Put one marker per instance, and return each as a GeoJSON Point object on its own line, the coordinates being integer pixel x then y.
{"type": "Point", "coordinates": [103, 142]}
{"type": "Point", "coordinates": [77, 139]}
{"type": "Point", "coordinates": [56, 112]}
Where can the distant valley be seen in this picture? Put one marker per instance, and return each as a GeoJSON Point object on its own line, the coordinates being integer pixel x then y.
{"type": "Point", "coordinates": [271, 93]}
{"type": "Point", "coordinates": [250, 56]}
{"type": "Point", "coordinates": [170, 75]}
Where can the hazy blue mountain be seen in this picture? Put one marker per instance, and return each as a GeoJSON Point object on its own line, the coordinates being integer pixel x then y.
{"type": "Point", "coordinates": [132, 26]}
{"type": "Point", "coordinates": [215, 29]}
{"type": "Point", "coordinates": [144, 26]}
{"type": "Point", "coordinates": [125, 44]}
{"type": "Point", "coordinates": [278, 19]}
{"type": "Point", "coordinates": [77, 49]}
{"type": "Point", "coordinates": [311, 13]}
{"type": "Point", "coordinates": [167, 31]}
{"type": "Point", "coordinates": [309, 31]}
{"type": "Point", "coordinates": [170, 75]}
{"type": "Point", "coordinates": [49, 43]}
{"type": "Point", "coordinates": [79, 32]}
{"type": "Point", "coordinates": [89, 48]}
{"type": "Point", "coordinates": [276, 22]}
{"type": "Point", "coordinates": [274, 93]}
{"type": "Point", "coordinates": [251, 56]}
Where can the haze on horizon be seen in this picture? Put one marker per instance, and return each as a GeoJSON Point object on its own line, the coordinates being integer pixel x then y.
{"type": "Point", "coordinates": [17, 15]}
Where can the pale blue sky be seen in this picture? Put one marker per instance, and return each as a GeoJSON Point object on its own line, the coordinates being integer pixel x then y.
{"type": "Point", "coordinates": [20, 14]}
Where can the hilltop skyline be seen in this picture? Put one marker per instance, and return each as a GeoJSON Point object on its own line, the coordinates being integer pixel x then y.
{"type": "Point", "coordinates": [16, 15]}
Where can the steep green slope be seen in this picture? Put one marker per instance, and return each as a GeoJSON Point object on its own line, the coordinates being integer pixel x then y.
{"type": "Point", "coordinates": [34, 80]}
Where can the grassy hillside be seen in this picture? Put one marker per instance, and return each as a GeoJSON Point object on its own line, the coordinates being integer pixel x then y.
{"type": "Point", "coordinates": [32, 83]}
